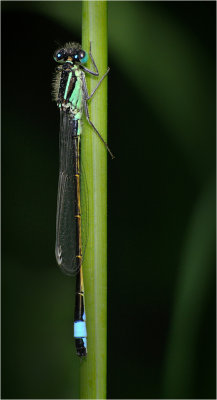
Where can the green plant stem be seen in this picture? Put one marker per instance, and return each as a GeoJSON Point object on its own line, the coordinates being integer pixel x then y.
{"type": "Point", "coordinates": [94, 159]}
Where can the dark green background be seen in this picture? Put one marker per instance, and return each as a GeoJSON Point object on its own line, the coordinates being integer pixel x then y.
{"type": "Point", "coordinates": [161, 202]}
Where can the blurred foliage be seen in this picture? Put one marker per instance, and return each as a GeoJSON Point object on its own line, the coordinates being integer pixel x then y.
{"type": "Point", "coordinates": [161, 202]}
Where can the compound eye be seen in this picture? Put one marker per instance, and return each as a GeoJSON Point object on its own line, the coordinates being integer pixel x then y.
{"type": "Point", "coordinates": [60, 55]}
{"type": "Point", "coordinates": [75, 56]}
{"type": "Point", "coordinates": [82, 56]}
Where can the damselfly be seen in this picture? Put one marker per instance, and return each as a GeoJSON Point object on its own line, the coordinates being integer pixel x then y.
{"type": "Point", "coordinates": [71, 95]}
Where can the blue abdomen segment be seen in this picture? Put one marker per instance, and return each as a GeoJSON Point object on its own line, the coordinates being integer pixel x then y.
{"type": "Point", "coordinates": [80, 330]}
{"type": "Point", "coordinates": [80, 335]}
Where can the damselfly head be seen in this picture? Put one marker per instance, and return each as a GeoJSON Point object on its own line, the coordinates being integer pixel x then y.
{"type": "Point", "coordinates": [71, 52]}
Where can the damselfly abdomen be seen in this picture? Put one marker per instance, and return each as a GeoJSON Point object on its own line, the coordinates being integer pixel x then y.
{"type": "Point", "coordinates": [71, 95]}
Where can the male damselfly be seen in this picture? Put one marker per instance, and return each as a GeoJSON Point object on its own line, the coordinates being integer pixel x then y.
{"type": "Point", "coordinates": [71, 95]}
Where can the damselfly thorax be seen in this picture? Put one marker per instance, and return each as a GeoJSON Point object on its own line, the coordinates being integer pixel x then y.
{"type": "Point", "coordinates": [70, 96]}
